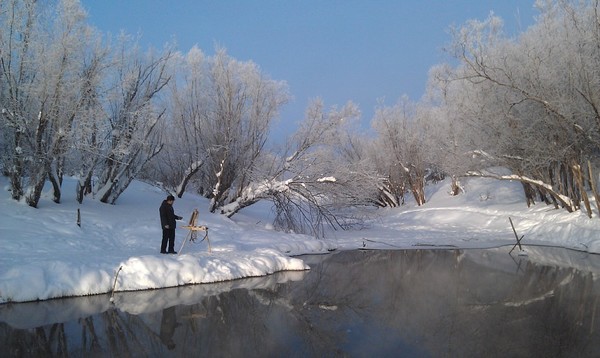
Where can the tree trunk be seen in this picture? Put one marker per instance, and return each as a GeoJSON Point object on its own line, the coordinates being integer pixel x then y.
{"type": "Point", "coordinates": [84, 185]}
{"type": "Point", "coordinates": [572, 189]}
{"type": "Point", "coordinates": [115, 182]}
{"type": "Point", "coordinates": [16, 172]}
{"type": "Point", "coordinates": [562, 180]}
{"type": "Point", "coordinates": [593, 186]}
{"type": "Point", "coordinates": [529, 194]}
{"type": "Point", "coordinates": [35, 186]}
{"type": "Point", "coordinates": [189, 173]}
{"type": "Point", "coordinates": [232, 208]}
{"type": "Point", "coordinates": [455, 188]}
{"type": "Point", "coordinates": [387, 197]}
{"type": "Point", "coordinates": [56, 191]}
{"type": "Point", "coordinates": [417, 187]}
{"type": "Point", "coordinates": [579, 179]}
{"type": "Point", "coordinates": [217, 190]}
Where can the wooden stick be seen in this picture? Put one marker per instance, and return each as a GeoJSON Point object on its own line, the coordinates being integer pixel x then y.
{"type": "Point", "coordinates": [183, 243]}
{"type": "Point", "coordinates": [516, 236]}
{"type": "Point", "coordinates": [115, 284]}
{"type": "Point", "coordinates": [195, 228]}
{"type": "Point", "coordinates": [208, 241]}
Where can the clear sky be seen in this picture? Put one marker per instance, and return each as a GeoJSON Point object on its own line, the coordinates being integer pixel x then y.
{"type": "Point", "coordinates": [339, 50]}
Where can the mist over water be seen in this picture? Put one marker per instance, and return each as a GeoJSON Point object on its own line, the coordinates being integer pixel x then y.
{"type": "Point", "coordinates": [351, 303]}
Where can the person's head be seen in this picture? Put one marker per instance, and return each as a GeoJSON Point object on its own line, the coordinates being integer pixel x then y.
{"type": "Point", "coordinates": [170, 199]}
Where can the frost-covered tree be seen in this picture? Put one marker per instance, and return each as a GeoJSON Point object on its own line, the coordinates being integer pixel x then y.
{"type": "Point", "coordinates": [19, 29]}
{"type": "Point", "coordinates": [86, 150]}
{"type": "Point", "coordinates": [131, 138]}
{"type": "Point", "coordinates": [243, 102]}
{"type": "Point", "coordinates": [183, 155]}
{"type": "Point", "coordinates": [401, 150]}
{"type": "Point", "coordinates": [530, 103]}
{"type": "Point", "coordinates": [42, 64]}
{"type": "Point", "coordinates": [322, 173]}
{"type": "Point", "coordinates": [219, 118]}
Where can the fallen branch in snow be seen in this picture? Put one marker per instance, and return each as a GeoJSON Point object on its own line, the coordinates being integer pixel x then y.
{"type": "Point", "coordinates": [566, 202]}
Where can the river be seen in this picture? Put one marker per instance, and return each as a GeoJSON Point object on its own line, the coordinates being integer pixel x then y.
{"type": "Point", "coordinates": [400, 303]}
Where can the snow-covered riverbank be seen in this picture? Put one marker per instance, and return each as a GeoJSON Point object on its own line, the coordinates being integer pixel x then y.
{"type": "Point", "coordinates": [46, 255]}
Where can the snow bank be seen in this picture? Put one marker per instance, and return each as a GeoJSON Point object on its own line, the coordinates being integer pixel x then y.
{"type": "Point", "coordinates": [46, 255]}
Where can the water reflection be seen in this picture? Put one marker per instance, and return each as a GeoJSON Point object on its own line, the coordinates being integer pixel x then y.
{"type": "Point", "coordinates": [444, 303]}
{"type": "Point", "coordinates": [168, 324]}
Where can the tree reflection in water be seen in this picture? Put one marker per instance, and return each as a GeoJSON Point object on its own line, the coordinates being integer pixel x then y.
{"type": "Point", "coordinates": [356, 303]}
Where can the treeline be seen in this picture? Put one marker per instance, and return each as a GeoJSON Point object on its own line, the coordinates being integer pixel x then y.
{"type": "Point", "coordinates": [524, 109]}
{"type": "Point", "coordinates": [529, 104]}
{"type": "Point", "coordinates": [75, 103]}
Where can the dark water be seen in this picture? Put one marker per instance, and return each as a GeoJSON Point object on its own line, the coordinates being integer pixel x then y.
{"type": "Point", "coordinates": [417, 303]}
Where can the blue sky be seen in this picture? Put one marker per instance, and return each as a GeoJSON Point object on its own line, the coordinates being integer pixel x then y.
{"type": "Point", "coordinates": [358, 50]}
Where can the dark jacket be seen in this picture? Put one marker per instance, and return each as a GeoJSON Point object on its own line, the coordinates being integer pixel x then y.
{"type": "Point", "coordinates": [167, 215]}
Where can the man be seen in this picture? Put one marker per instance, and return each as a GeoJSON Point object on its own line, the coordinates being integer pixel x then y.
{"type": "Point", "coordinates": [167, 221]}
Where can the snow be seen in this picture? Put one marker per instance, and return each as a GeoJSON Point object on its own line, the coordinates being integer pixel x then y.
{"type": "Point", "coordinates": [46, 255]}
{"type": "Point", "coordinates": [327, 180]}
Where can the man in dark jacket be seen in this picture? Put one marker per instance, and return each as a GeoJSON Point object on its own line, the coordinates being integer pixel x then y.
{"type": "Point", "coordinates": [168, 224]}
